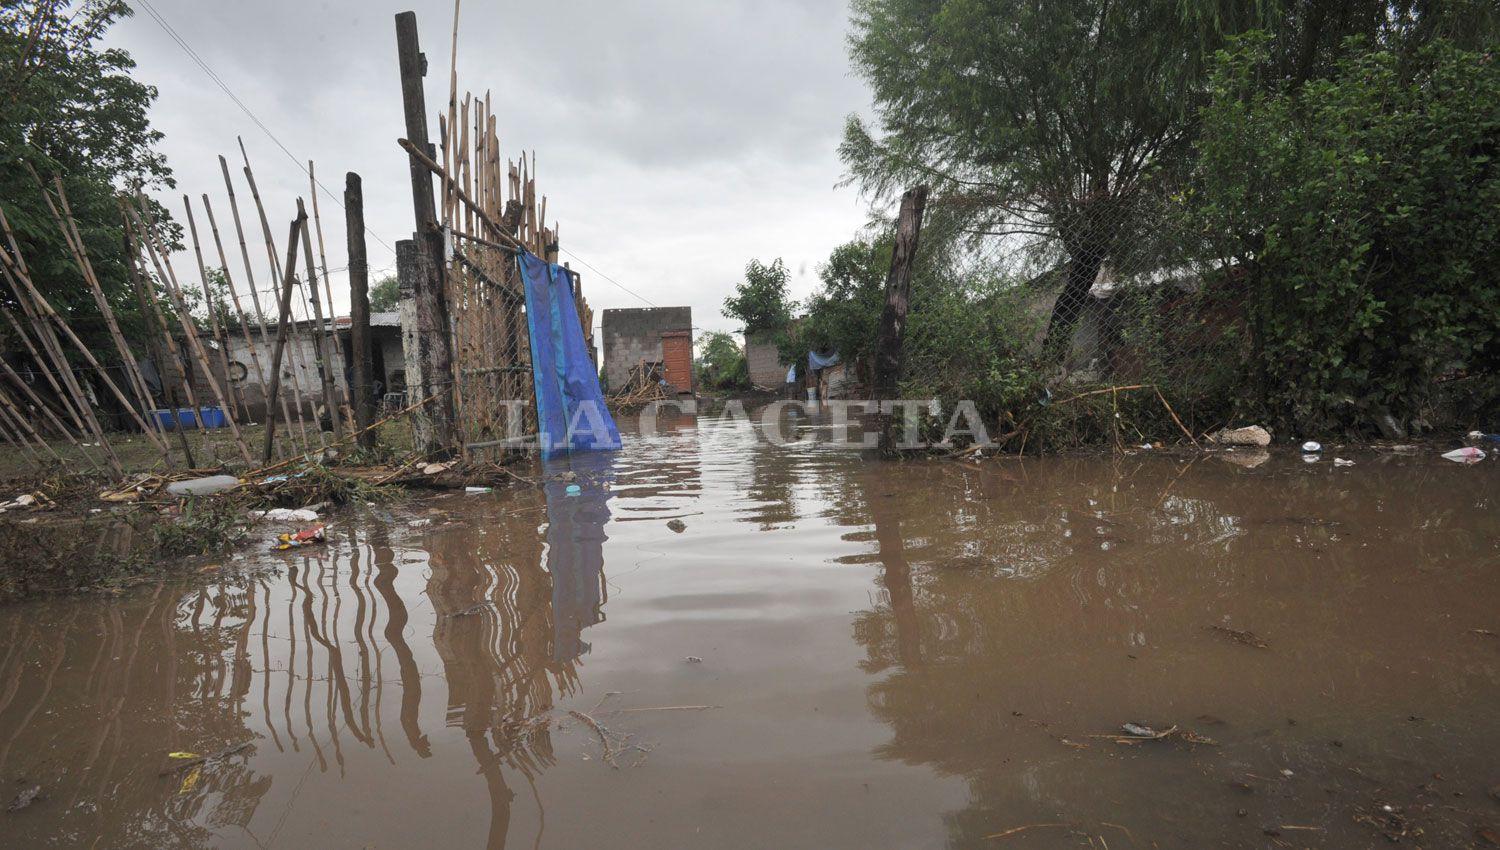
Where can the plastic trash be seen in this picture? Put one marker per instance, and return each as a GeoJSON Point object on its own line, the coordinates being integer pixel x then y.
{"type": "Point", "coordinates": [203, 486]}
{"type": "Point", "coordinates": [1338, 461]}
{"type": "Point", "coordinates": [1311, 458]}
{"type": "Point", "coordinates": [573, 490]}
{"type": "Point", "coordinates": [286, 515]}
{"type": "Point", "coordinates": [296, 540]}
{"type": "Point", "coordinates": [1476, 437]}
{"type": "Point", "coordinates": [479, 489]}
{"type": "Point", "coordinates": [1312, 447]}
{"type": "Point", "coordinates": [1467, 454]}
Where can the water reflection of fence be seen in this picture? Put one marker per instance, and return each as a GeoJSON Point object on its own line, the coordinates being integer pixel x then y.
{"type": "Point", "coordinates": [322, 662]}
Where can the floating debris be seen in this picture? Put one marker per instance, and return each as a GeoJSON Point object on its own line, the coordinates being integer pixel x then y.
{"type": "Point", "coordinates": [25, 798]}
{"type": "Point", "coordinates": [1247, 638]}
{"type": "Point", "coordinates": [677, 525]}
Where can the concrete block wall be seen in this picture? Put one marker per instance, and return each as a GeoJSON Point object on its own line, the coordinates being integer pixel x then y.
{"type": "Point", "coordinates": [764, 360]}
{"type": "Point", "coordinates": [633, 335]}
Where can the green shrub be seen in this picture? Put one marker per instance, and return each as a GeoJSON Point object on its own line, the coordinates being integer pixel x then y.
{"type": "Point", "coordinates": [1364, 213]}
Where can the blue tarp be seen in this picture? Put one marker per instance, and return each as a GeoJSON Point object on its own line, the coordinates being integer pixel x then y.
{"type": "Point", "coordinates": [816, 361]}
{"type": "Point", "coordinates": [570, 410]}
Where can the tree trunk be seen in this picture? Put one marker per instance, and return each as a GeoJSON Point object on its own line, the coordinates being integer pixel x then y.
{"type": "Point", "coordinates": [889, 344]}
{"type": "Point", "coordinates": [1081, 272]}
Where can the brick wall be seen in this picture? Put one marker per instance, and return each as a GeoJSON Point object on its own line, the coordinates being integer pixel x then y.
{"type": "Point", "coordinates": [635, 334]}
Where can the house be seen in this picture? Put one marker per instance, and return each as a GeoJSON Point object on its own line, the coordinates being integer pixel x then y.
{"type": "Point", "coordinates": [764, 360]}
{"type": "Point", "coordinates": [660, 339]}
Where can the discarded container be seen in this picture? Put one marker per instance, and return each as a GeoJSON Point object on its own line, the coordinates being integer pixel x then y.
{"type": "Point", "coordinates": [1312, 447]}
{"type": "Point", "coordinates": [479, 489]}
{"type": "Point", "coordinates": [1254, 435]}
{"type": "Point", "coordinates": [286, 515]}
{"type": "Point", "coordinates": [183, 417]}
{"type": "Point", "coordinates": [1467, 454]}
{"type": "Point", "coordinates": [573, 490]}
{"type": "Point", "coordinates": [1338, 461]}
{"type": "Point", "coordinates": [203, 486]}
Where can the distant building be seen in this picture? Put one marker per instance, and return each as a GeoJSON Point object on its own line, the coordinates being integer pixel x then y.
{"type": "Point", "coordinates": [656, 339]}
{"type": "Point", "coordinates": [764, 360]}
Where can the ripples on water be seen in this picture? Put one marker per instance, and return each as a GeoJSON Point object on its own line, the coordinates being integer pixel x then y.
{"type": "Point", "coordinates": [900, 655]}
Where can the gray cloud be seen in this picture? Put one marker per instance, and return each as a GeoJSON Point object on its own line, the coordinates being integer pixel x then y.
{"type": "Point", "coordinates": [675, 139]}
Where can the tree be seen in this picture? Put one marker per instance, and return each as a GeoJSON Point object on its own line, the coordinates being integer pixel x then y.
{"type": "Point", "coordinates": [721, 363]}
{"type": "Point", "coordinates": [1365, 226]}
{"type": "Point", "coordinates": [69, 107]}
{"type": "Point", "coordinates": [844, 313]}
{"type": "Point", "coordinates": [1057, 124]}
{"type": "Point", "coordinates": [385, 295]}
{"type": "Point", "coordinates": [760, 301]}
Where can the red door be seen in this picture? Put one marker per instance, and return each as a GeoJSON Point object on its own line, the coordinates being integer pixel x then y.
{"type": "Point", "coordinates": [677, 359]}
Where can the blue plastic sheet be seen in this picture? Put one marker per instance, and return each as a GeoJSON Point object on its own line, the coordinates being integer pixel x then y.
{"type": "Point", "coordinates": [816, 361]}
{"type": "Point", "coordinates": [570, 410]}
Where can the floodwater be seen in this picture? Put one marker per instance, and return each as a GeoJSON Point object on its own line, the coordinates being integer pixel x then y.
{"type": "Point", "coordinates": [832, 653]}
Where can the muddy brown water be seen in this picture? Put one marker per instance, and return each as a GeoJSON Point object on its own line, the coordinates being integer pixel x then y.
{"type": "Point", "coordinates": [923, 654]}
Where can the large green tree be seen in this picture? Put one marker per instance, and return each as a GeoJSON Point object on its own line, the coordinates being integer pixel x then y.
{"type": "Point", "coordinates": [1060, 122]}
{"type": "Point", "coordinates": [70, 107]}
{"type": "Point", "coordinates": [760, 301]}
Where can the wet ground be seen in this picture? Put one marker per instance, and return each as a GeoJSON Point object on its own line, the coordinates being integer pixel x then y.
{"type": "Point", "coordinates": [831, 653]}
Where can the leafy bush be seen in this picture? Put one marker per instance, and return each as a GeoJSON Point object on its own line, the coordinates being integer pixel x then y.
{"type": "Point", "coordinates": [721, 365]}
{"type": "Point", "coordinates": [1364, 212]}
{"type": "Point", "coordinates": [760, 301]}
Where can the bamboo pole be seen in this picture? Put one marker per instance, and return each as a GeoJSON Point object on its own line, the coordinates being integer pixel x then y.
{"type": "Point", "coordinates": [151, 310]}
{"type": "Point", "coordinates": [36, 401]}
{"type": "Point", "coordinates": [69, 227]}
{"type": "Point", "coordinates": [347, 397]}
{"type": "Point", "coordinates": [211, 304]}
{"type": "Point", "coordinates": [25, 426]}
{"type": "Point", "coordinates": [18, 441]}
{"type": "Point", "coordinates": [49, 342]}
{"type": "Point", "coordinates": [185, 318]}
{"type": "Point", "coordinates": [32, 301]}
{"type": "Point", "coordinates": [260, 316]}
{"type": "Point", "coordinates": [281, 324]}
{"type": "Point", "coordinates": [299, 364]}
{"type": "Point", "coordinates": [179, 368]}
{"type": "Point", "coordinates": [320, 340]}
{"type": "Point", "coordinates": [239, 311]}
{"type": "Point", "coordinates": [36, 356]}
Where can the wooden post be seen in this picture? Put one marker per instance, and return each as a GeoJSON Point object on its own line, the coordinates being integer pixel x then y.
{"type": "Point", "coordinates": [284, 316]}
{"type": "Point", "coordinates": [320, 339]}
{"type": "Point", "coordinates": [298, 364]}
{"type": "Point", "coordinates": [333, 337]}
{"type": "Point", "coordinates": [69, 227]}
{"type": "Point", "coordinates": [432, 329]}
{"type": "Point", "coordinates": [359, 309]}
{"type": "Point", "coordinates": [165, 370]}
{"type": "Point", "coordinates": [210, 303]}
{"type": "Point", "coordinates": [889, 352]}
{"type": "Point", "coordinates": [260, 316]}
{"type": "Point", "coordinates": [185, 318]}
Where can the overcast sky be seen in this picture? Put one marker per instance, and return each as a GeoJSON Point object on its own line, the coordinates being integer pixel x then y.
{"type": "Point", "coordinates": [676, 139]}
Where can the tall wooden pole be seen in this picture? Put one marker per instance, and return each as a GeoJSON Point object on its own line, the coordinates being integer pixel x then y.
{"type": "Point", "coordinates": [260, 316]}
{"type": "Point", "coordinates": [298, 363]}
{"type": "Point", "coordinates": [185, 318]}
{"type": "Point", "coordinates": [284, 316]}
{"type": "Point", "coordinates": [211, 302]}
{"type": "Point", "coordinates": [65, 222]}
{"type": "Point", "coordinates": [165, 370]}
{"type": "Point", "coordinates": [345, 403]}
{"type": "Point", "coordinates": [359, 309]}
{"type": "Point", "coordinates": [432, 332]}
{"type": "Point", "coordinates": [889, 350]}
{"type": "Point", "coordinates": [320, 339]}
